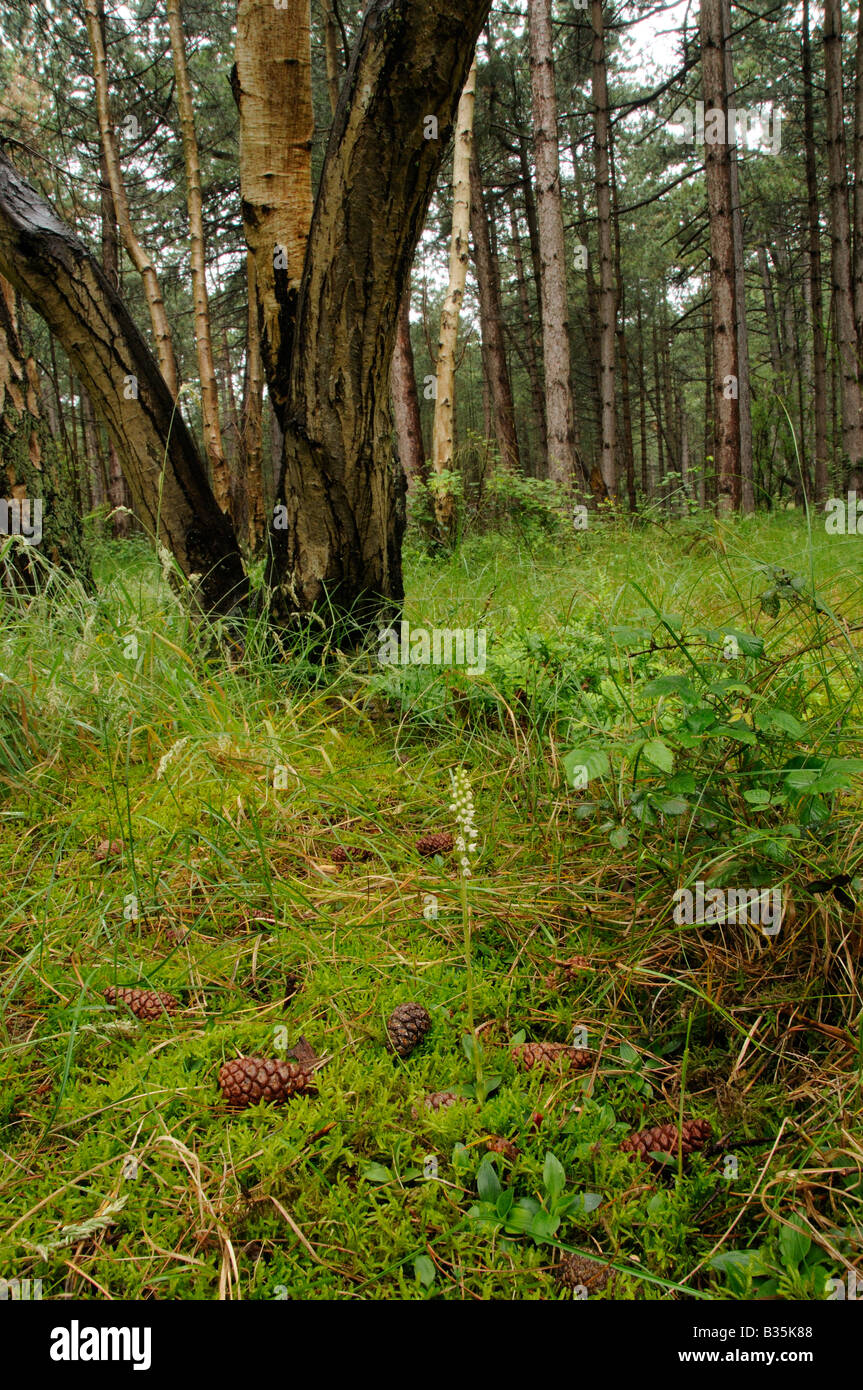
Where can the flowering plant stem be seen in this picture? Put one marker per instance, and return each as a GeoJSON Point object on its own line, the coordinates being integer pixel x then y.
{"type": "Point", "coordinates": [476, 1049]}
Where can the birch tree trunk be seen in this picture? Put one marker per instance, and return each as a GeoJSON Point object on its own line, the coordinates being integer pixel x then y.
{"type": "Point", "coordinates": [203, 340]}
{"type": "Point", "coordinates": [95, 13]}
{"type": "Point", "coordinates": [843, 302]}
{"type": "Point", "coordinates": [607, 291]}
{"type": "Point", "coordinates": [273, 91]}
{"type": "Point", "coordinates": [722, 278]}
{"type": "Point", "coordinates": [552, 251]}
{"type": "Point", "coordinates": [443, 440]}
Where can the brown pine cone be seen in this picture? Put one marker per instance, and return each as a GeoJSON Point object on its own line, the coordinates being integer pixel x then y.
{"type": "Point", "coordinates": [664, 1139]}
{"type": "Point", "coordinates": [407, 1025]}
{"type": "Point", "coordinates": [145, 1004]}
{"type": "Point", "coordinates": [575, 1270]}
{"type": "Point", "coordinates": [545, 1055]}
{"type": "Point", "coordinates": [343, 855]}
{"type": "Point", "coordinates": [496, 1144]}
{"type": "Point", "coordinates": [437, 842]}
{"type": "Point", "coordinates": [246, 1080]}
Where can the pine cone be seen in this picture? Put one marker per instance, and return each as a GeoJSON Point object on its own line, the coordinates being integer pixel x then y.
{"type": "Point", "coordinates": [246, 1080]}
{"type": "Point", "coordinates": [407, 1025]}
{"type": "Point", "coordinates": [496, 1144]}
{"type": "Point", "coordinates": [574, 1270]}
{"type": "Point", "coordinates": [343, 855]}
{"type": "Point", "coordinates": [438, 842]}
{"type": "Point", "coordinates": [664, 1139]}
{"type": "Point", "coordinates": [545, 1055]}
{"type": "Point", "coordinates": [146, 1004]}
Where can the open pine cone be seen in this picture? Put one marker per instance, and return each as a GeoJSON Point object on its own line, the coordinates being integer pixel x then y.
{"type": "Point", "coordinates": [247, 1080]}
{"type": "Point", "coordinates": [407, 1025]}
{"type": "Point", "coordinates": [437, 842]}
{"type": "Point", "coordinates": [548, 1056]}
{"type": "Point", "coordinates": [575, 1270]}
{"type": "Point", "coordinates": [438, 1100]}
{"type": "Point", "coordinates": [145, 1004]}
{"type": "Point", "coordinates": [664, 1139]}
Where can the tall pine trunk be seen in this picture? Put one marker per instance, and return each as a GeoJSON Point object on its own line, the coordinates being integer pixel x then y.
{"type": "Point", "coordinates": [819, 354]}
{"type": "Point", "coordinates": [555, 314]}
{"type": "Point", "coordinates": [722, 278]}
{"type": "Point", "coordinates": [607, 290]}
{"type": "Point", "coordinates": [843, 299]}
{"type": "Point", "coordinates": [491, 323]}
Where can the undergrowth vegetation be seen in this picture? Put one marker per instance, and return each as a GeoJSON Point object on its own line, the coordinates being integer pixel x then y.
{"type": "Point", "coordinates": [660, 710]}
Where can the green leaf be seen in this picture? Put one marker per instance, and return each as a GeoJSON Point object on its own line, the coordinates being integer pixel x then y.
{"type": "Point", "coordinates": [757, 796]}
{"type": "Point", "coordinates": [518, 1038]}
{"type": "Point", "coordinates": [488, 1184]}
{"type": "Point", "coordinates": [553, 1176]}
{"type": "Point", "coordinates": [504, 1202]}
{"type": "Point", "coordinates": [461, 1158]}
{"type": "Point", "coordinates": [424, 1270]}
{"type": "Point", "coordinates": [659, 754]}
{"type": "Point", "coordinates": [376, 1172]}
{"type": "Point", "coordinates": [672, 685]}
{"type": "Point", "coordinates": [519, 1220]}
{"type": "Point", "coordinates": [590, 1200]}
{"type": "Point", "coordinates": [627, 1053]}
{"type": "Point", "coordinates": [543, 1225]}
{"type": "Point", "coordinates": [794, 1243]}
{"type": "Point", "coordinates": [778, 721]}
{"type": "Point", "coordinates": [673, 805]}
{"type": "Point", "coordinates": [619, 837]}
{"type": "Point", "coordinates": [593, 760]}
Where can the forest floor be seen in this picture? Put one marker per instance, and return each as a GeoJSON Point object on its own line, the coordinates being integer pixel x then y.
{"type": "Point", "coordinates": [709, 680]}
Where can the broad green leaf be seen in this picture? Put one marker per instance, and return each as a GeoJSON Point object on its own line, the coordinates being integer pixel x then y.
{"type": "Point", "coordinates": [590, 1200]}
{"type": "Point", "coordinates": [424, 1270]}
{"type": "Point", "coordinates": [794, 1243]}
{"type": "Point", "coordinates": [553, 1176]}
{"type": "Point", "coordinates": [619, 837]}
{"type": "Point", "coordinates": [659, 754]}
{"type": "Point", "coordinates": [488, 1184]}
{"type": "Point", "coordinates": [627, 1053]}
{"type": "Point", "coordinates": [376, 1172]}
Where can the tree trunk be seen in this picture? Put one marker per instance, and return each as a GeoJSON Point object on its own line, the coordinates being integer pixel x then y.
{"type": "Point", "coordinates": [491, 323]}
{"type": "Point", "coordinates": [141, 260]}
{"type": "Point", "coordinates": [273, 91]}
{"type": "Point", "coordinates": [532, 364]}
{"type": "Point", "coordinates": [858, 173]}
{"type": "Point", "coordinates": [340, 547]}
{"type": "Point", "coordinates": [819, 354]}
{"type": "Point", "coordinates": [843, 301]}
{"type": "Point", "coordinates": [741, 328]}
{"type": "Point", "coordinates": [555, 318]}
{"type": "Point", "coordinates": [251, 432]}
{"type": "Point", "coordinates": [331, 52]}
{"type": "Point", "coordinates": [722, 278]}
{"type": "Point", "coordinates": [443, 433]}
{"type": "Point", "coordinates": [38, 486]}
{"type": "Point", "coordinates": [770, 312]}
{"type": "Point", "coordinates": [164, 471]}
{"type": "Point", "coordinates": [203, 340]}
{"type": "Point", "coordinates": [406, 406]}
{"type": "Point", "coordinates": [642, 404]}
{"type": "Point", "coordinates": [607, 291]}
